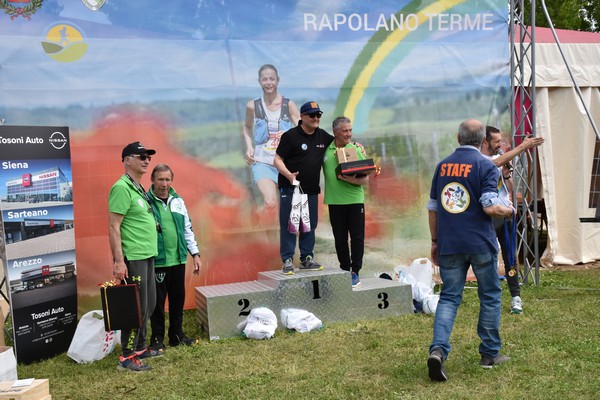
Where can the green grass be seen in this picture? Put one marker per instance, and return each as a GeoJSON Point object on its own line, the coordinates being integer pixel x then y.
{"type": "Point", "coordinates": [554, 347]}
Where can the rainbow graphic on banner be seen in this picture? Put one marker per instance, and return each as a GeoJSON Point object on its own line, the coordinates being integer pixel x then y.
{"type": "Point", "coordinates": [377, 59]}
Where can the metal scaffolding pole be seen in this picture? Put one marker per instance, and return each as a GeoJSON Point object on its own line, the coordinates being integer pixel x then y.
{"type": "Point", "coordinates": [523, 117]}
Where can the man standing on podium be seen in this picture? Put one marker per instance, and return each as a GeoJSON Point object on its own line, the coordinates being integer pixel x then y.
{"type": "Point", "coordinates": [299, 157]}
{"type": "Point", "coordinates": [132, 233]}
{"type": "Point", "coordinates": [345, 197]}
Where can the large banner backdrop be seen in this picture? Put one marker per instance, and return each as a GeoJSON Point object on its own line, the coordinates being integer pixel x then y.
{"type": "Point", "coordinates": [178, 76]}
{"type": "Point", "coordinates": [37, 221]}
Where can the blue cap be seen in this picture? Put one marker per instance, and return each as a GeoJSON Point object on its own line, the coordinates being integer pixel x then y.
{"type": "Point", "coordinates": [310, 107]}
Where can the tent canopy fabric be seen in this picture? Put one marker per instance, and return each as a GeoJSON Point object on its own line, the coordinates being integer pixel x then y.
{"type": "Point", "coordinates": [544, 35]}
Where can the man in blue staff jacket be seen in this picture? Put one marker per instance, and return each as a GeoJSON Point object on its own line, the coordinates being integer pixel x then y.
{"type": "Point", "coordinates": [462, 202]}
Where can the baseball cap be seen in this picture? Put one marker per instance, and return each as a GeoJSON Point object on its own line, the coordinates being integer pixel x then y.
{"type": "Point", "coordinates": [309, 107]}
{"type": "Point", "coordinates": [135, 148]}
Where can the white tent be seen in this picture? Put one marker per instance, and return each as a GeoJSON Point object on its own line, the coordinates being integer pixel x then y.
{"type": "Point", "coordinates": [567, 156]}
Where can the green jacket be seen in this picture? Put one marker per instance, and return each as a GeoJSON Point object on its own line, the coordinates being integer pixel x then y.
{"type": "Point", "coordinates": [186, 241]}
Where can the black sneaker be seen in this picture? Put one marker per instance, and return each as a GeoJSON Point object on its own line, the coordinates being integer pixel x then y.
{"type": "Point", "coordinates": [183, 340]}
{"type": "Point", "coordinates": [148, 352]}
{"type": "Point", "coordinates": [489, 362]}
{"type": "Point", "coordinates": [310, 265]}
{"type": "Point", "coordinates": [132, 363]}
{"type": "Point", "coordinates": [288, 267]}
{"type": "Point", "coordinates": [437, 369]}
{"type": "Point", "coordinates": [157, 345]}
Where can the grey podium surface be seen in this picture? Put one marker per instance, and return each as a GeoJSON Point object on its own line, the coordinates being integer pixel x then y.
{"type": "Point", "coordinates": [328, 294]}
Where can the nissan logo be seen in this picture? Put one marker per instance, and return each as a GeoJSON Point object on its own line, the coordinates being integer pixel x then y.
{"type": "Point", "coordinates": [58, 140]}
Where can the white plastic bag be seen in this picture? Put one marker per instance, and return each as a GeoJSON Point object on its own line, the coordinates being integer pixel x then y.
{"type": "Point", "coordinates": [421, 291]}
{"type": "Point", "coordinates": [91, 342]}
{"type": "Point", "coordinates": [300, 320]}
{"type": "Point", "coordinates": [8, 364]}
{"type": "Point", "coordinates": [300, 214]}
{"type": "Point", "coordinates": [419, 275]}
{"type": "Point", "coordinates": [405, 277]}
{"type": "Point", "coordinates": [304, 213]}
{"type": "Point", "coordinates": [430, 303]}
{"type": "Point", "coordinates": [422, 270]}
{"type": "Point", "coordinates": [260, 324]}
{"type": "Point", "coordinates": [296, 212]}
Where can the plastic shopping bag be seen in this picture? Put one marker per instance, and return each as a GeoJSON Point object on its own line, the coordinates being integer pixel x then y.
{"type": "Point", "coordinates": [295, 214]}
{"type": "Point", "coordinates": [300, 320]}
{"type": "Point", "coordinates": [420, 290]}
{"type": "Point", "coordinates": [304, 213]}
{"type": "Point", "coordinates": [91, 342]}
{"type": "Point", "coordinates": [422, 270]}
{"type": "Point", "coordinates": [430, 303]}
{"type": "Point", "coordinates": [419, 275]}
{"type": "Point", "coordinates": [8, 364]}
{"type": "Point", "coordinates": [260, 324]}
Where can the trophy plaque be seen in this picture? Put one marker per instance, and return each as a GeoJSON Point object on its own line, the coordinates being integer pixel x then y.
{"type": "Point", "coordinates": [349, 164]}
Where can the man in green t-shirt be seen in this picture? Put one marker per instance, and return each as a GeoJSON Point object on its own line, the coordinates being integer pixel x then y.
{"type": "Point", "coordinates": [345, 197]}
{"type": "Point", "coordinates": [132, 233]}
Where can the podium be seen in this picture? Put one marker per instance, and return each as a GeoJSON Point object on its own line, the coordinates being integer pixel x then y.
{"type": "Point", "coordinates": [328, 294]}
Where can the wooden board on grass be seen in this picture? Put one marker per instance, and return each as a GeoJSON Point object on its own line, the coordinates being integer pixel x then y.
{"type": "Point", "coordinates": [38, 390]}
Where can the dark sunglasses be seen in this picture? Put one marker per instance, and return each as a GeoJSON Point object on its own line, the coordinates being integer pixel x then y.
{"type": "Point", "coordinates": [315, 114]}
{"type": "Point", "coordinates": [142, 157]}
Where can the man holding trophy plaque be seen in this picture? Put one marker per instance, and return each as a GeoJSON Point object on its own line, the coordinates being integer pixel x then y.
{"type": "Point", "coordinates": [346, 171]}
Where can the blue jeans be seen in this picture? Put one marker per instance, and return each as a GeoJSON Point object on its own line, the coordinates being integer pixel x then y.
{"type": "Point", "coordinates": [453, 270]}
{"type": "Point", "coordinates": [287, 240]}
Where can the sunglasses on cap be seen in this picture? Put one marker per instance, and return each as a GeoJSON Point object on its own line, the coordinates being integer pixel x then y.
{"type": "Point", "coordinates": [315, 114]}
{"type": "Point", "coordinates": [142, 157]}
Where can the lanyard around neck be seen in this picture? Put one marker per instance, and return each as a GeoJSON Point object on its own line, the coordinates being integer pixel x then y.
{"type": "Point", "coordinates": [140, 189]}
{"type": "Point", "coordinates": [143, 193]}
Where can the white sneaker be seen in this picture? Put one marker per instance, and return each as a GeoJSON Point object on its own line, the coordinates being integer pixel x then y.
{"type": "Point", "coordinates": [516, 305]}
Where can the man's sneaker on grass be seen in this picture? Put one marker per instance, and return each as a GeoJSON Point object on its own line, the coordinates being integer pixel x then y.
{"type": "Point", "coordinates": [182, 340]}
{"type": "Point", "coordinates": [132, 363]}
{"type": "Point", "coordinates": [288, 267]}
{"type": "Point", "coordinates": [516, 305]}
{"type": "Point", "coordinates": [157, 344]}
{"type": "Point", "coordinates": [310, 265]}
{"type": "Point", "coordinates": [148, 352]}
{"type": "Point", "coordinates": [491, 362]}
{"type": "Point", "coordinates": [355, 279]}
{"type": "Point", "coordinates": [435, 364]}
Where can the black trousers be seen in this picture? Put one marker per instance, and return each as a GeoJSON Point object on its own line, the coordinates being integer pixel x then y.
{"type": "Point", "coordinates": [348, 220]}
{"type": "Point", "coordinates": [170, 282]}
{"type": "Point", "coordinates": [512, 271]}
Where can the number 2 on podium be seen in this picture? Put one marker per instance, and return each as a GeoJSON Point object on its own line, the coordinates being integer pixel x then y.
{"type": "Point", "coordinates": [245, 311]}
